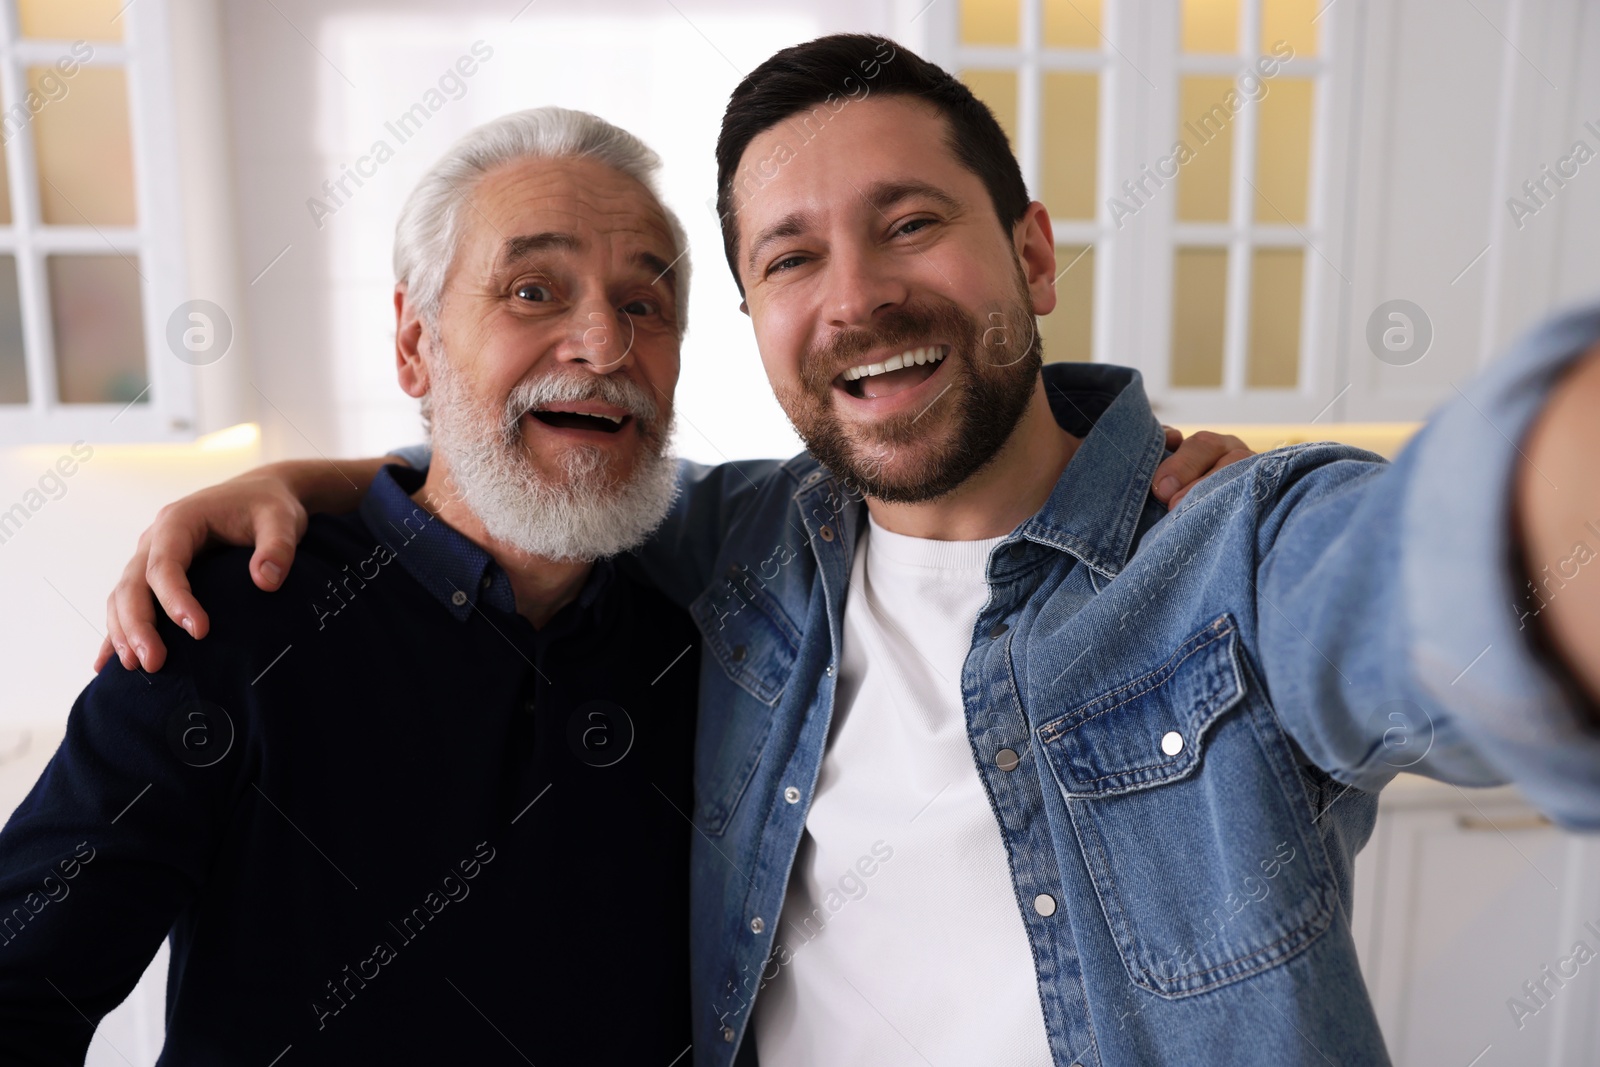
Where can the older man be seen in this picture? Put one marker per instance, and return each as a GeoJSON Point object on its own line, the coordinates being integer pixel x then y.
{"type": "Point", "coordinates": [426, 804]}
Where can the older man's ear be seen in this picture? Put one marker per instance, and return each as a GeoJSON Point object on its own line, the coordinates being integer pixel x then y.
{"type": "Point", "coordinates": [412, 369]}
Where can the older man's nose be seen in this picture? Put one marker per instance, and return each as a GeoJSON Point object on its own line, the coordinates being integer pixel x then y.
{"type": "Point", "coordinates": [600, 337]}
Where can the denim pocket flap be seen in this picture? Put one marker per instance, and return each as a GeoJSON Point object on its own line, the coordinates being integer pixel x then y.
{"type": "Point", "coordinates": [1151, 730]}
{"type": "Point", "coordinates": [749, 635]}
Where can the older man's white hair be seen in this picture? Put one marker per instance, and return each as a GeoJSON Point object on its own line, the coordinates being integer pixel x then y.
{"type": "Point", "coordinates": [431, 221]}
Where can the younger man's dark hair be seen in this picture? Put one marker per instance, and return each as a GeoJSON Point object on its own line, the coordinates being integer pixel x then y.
{"type": "Point", "coordinates": [821, 78]}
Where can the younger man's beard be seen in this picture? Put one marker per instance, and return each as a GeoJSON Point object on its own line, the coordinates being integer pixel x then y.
{"type": "Point", "coordinates": [585, 511]}
{"type": "Point", "coordinates": [904, 459]}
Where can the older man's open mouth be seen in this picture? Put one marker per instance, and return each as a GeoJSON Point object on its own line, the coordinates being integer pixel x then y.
{"type": "Point", "coordinates": [582, 416]}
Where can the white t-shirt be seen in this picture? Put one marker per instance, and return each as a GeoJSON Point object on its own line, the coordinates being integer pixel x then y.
{"type": "Point", "coordinates": [903, 936]}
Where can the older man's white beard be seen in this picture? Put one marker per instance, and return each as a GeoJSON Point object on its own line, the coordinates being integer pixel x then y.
{"type": "Point", "coordinates": [585, 513]}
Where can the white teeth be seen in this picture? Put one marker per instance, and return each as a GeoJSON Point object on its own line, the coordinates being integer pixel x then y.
{"type": "Point", "coordinates": [614, 418]}
{"type": "Point", "coordinates": [910, 357]}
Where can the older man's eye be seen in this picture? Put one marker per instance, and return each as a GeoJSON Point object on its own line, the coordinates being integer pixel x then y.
{"type": "Point", "coordinates": [641, 308]}
{"type": "Point", "coordinates": [534, 293]}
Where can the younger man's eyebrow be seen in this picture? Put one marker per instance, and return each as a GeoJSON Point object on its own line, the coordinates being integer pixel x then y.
{"type": "Point", "coordinates": [885, 194]}
{"type": "Point", "coordinates": [791, 225]}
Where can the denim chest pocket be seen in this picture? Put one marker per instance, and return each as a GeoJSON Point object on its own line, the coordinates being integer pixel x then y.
{"type": "Point", "coordinates": [754, 646]}
{"type": "Point", "coordinates": [1184, 795]}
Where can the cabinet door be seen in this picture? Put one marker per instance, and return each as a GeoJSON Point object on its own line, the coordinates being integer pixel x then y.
{"type": "Point", "coordinates": [1479, 925]}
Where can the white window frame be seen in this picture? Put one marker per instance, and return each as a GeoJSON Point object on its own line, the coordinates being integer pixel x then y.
{"type": "Point", "coordinates": [1140, 64]}
{"type": "Point", "coordinates": [166, 411]}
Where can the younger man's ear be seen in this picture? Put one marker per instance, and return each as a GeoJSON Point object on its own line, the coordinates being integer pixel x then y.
{"type": "Point", "coordinates": [1035, 246]}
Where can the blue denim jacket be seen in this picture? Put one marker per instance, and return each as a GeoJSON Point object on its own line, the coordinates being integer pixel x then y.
{"type": "Point", "coordinates": [1206, 703]}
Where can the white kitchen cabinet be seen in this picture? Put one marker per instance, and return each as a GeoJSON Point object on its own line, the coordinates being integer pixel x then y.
{"type": "Point", "coordinates": [1468, 903]}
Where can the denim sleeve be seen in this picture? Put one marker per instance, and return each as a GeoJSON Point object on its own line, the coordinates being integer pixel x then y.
{"type": "Point", "coordinates": [1395, 615]}
{"type": "Point", "coordinates": [112, 842]}
{"type": "Point", "coordinates": [680, 557]}
{"type": "Point", "coordinates": [417, 457]}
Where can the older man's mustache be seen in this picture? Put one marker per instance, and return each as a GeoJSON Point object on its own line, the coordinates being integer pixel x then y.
{"type": "Point", "coordinates": [613, 390]}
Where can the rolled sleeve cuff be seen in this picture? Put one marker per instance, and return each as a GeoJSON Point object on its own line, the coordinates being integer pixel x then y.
{"type": "Point", "coordinates": [1473, 642]}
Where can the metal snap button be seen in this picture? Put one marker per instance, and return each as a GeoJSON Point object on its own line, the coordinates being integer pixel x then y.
{"type": "Point", "coordinates": [826, 533]}
{"type": "Point", "coordinates": [756, 925]}
{"type": "Point", "coordinates": [1007, 759]}
{"type": "Point", "coordinates": [1044, 904]}
{"type": "Point", "coordinates": [792, 795]}
{"type": "Point", "coordinates": [727, 1034]}
{"type": "Point", "coordinates": [738, 653]}
{"type": "Point", "coordinates": [1172, 742]}
{"type": "Point", "coordinates": [1018, 549]}
{"type": "Point", "coordinates": [998, 629]}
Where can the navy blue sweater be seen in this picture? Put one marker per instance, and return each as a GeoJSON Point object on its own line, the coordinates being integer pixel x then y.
{"type": "Point", "coordinates": [382, 819]}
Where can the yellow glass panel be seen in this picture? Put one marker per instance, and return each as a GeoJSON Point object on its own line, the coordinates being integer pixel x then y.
{"type": "Point", "coordinates": [84, 148]}
{"type": "Point", "coordinates": [1199, 312]}
{"type": "Point", "coordinates": [1072, 24]}
{"type": "Point", "coordinates": [998, 89]}
{"type": "Point", "coordinates": [8, 128]}
{"type": "Point", "coordinates": [71, 20]}
{"type": "Point", "coordinates": [1274, 354]}
{"type": "Point", "coordinates": [13, 368]}
{"type": "Point", "coordinates": [991, 21]}
{"type": "Point", "coordinates": [1211, 25]}
{"type": "Point", "coordinates": [1283, 151]}
{"type": "Point", "coordinates": [99, 328]}
{"type": "Point", "coordinates": [1289, 21]}
{"type": "Point", "coordinates": [1068, 331]}
{"type": "Point", "coordinates": [1274, 317]}
{"type": "Point", "coordinates": [1205, 128]}
{"type": "Point", "coordinates": [1071, 112]}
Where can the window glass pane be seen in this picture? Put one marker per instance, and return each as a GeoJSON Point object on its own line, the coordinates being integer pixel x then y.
{"type": "Point", "coordinates": [1071, 103]}
{"type": "Point", "coordinates": [1205, 128]}
{"type": "Point", "coordinates": [99, 328]}
{"type": "Point", "coordinates": [1199, 310]}
{"type": "Point", "coordinates": [7, 131]}
{"type": "Point", "coordinates": [1283, 152]}
{"type": "Point", "coordinates": [1289, 21]}
{"type": "Point", "coordinates": [998, 89]}
{"type": "Point", "coordinates": [13, 369]}
{"type": "Point", "coordinates": [71, 20]}
{"type": "Point", "coordinates": [1072, 24]}
{"type": "Point", "coordinates": [85, 152]}
{"type": "Point", "coordinates": [1274, 360]}
{"type": "Point", "coordinates": [991, 21]}
{"type": "Point", "coordinates": [1068, 331]}
{"type": "Point", "coordinates": [1210, 25]}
